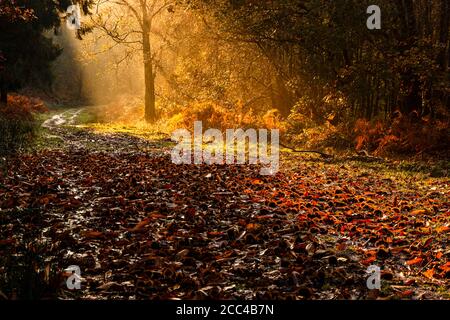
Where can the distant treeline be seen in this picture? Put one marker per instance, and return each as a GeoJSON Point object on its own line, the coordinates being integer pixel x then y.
{"type": "Point", "coordinates": [323, 49]}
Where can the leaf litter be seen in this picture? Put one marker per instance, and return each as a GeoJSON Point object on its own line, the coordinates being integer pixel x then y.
{"type": "Point", "coordinates": [141, 227]}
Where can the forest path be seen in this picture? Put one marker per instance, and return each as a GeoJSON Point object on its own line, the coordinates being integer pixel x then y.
{"type": "Point", "coordinates": [66, 117]}
{"type": "Point", "coordinates": [66, 127]}
{"type": "Point", "coordinates": [141, 227]}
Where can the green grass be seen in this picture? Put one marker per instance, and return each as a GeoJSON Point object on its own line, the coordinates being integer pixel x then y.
{"type": "Point", "coordinates": [47, 140]}
{"type": "Point", "coordinates": [410, 168]}
{"type": "Point", "coordinates": [86, 116]}
{"type": "Point", "coordinates": [140, 130]}
{"type": "Point", "coordinates": [397, 169]}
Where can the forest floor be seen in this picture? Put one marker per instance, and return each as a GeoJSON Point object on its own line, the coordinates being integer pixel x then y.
{"type": "Point", "coordinates": [140, 227]}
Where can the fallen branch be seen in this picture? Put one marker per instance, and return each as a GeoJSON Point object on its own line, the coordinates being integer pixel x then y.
{"type": "Point", "coordinates": [322, 154]}
{"type": "Point", "coordinates": [362, 156]}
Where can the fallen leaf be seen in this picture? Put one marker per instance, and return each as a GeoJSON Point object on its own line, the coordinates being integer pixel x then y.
{"type": "Point", "coordinates": [414, 261]}
{"type": "Point", "coordinates": [442, 229]}
{"type": "Point", "coordinates": [110, 285]}
{"type": "Point", "coordinates": [418, 212]}
{"type": "Point", "coordinates": [141, 225]}
{"type": "Point", "coordinates": [445, 267]}
{"type": "Point", "coordinates": [253, 227]}
{"type": "Point", "coordinates": [7, 242]}
{"type": "Point", "coordinates": [429, 274]}
{"type": "Point", "coordinates": [368, 261]}
{"type": "Point", "coordinates": [257, 181]}
{"type": "Point", "coordinates": [93, 235]}
{"type": "Point", "coordinates": [407, 293]}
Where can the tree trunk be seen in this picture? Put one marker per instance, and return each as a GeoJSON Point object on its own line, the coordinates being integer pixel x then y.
{"type": "Point", "coordinates": [410, 81]}
{"type": "Point", "coordinates": [3, 96]}
{"type": "Point", "coordinates": [281, 98]}
{"type": "Point", "coordinates": [411, 18]}
{"type": "Point", "coordinates": [444, 34]}
{"type": "Point", "coordinates": [444, 54]}
{"type": "Point", "coordinates": [150, 101]}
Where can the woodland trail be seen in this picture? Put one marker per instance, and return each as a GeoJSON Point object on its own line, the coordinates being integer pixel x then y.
{"type": "Point", "coordinates": [60, 119]}
{"type": "Point", "coordinates": [64, 127]}
{"type": "Point", "coordinates": [140, 227]}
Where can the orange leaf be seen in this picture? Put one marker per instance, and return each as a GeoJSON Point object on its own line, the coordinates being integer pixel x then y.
{"type": "Point", "coordinates": [414, 261]}
{"type": "Point", "coordinates": [445, 267]}
{"type": "Point", "coordinates": [425, 230]}
{"type": "Point", "coordinates": [439, 255]}
{"type": "Point", "coordinates": [371, 253]}
{"type": "Point", "coordinates": [418, 212]}
{"type": "Point", "coordinates": [253, 226]}
{"type": "Point", "coordinates": [257, 181]}
{"type": "Point", "coordinates": [368, 260]}
{"type": "Point", "coordinates": [442, 229]}
{"type": "Point", "coordinates": [215, 233]}
{"type": "Point", "coordinates": [407, 293]}
{"type": "Point", "coordinates": [429, 274]}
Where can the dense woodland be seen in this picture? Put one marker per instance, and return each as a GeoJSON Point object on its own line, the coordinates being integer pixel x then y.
{"type": "Point", "coordinates": [314, 62]}
{"type": "Point", "coordinates": [86, 117]}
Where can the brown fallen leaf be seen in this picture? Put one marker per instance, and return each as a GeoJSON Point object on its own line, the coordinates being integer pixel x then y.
{"type": "Point", "coordinates": [110, 285]}
{"type": "Point", "coordinates": [182, 253]}
{"type": "Point", "coordinates": [157, 215]}
{"type": "Point", "coordinates": [409, 282]}
{"type": "Point", "coordinates": [93, 235]}
{"type": "Point", "coordinates": [7, 242]}
{"type": "Point", "coordinates": [141, 225]}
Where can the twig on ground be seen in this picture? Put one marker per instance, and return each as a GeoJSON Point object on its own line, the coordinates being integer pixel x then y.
{"type": "Point", "coordinates": [322, 154]}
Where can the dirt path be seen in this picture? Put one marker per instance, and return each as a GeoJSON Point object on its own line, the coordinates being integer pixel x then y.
{"type": "Point", "coordinates": [64, 126]}
{"type": "Point", "coordinates": [64, 118]}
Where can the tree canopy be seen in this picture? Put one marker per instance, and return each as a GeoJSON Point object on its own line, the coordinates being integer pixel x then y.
{"type": "Point", "coordinates": [26, 52]}
{"type": "Point", "coordinates": [323, 49]}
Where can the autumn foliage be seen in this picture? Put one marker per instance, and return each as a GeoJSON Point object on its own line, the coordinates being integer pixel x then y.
{"type": "Point", "coordinates": [405, 134]}
{"type": "Point", "coordinates": [17, 124]}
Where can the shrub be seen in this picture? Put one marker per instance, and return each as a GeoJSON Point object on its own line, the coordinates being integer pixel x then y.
{"type": "Point", "coordinates": [368, 134]}
{"type": "Point", "coordinates": [18, 127]}
{"type": "Point", "coordinates": [213, 115]}
{"type": "Point", "coordinates": [405, 134]}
